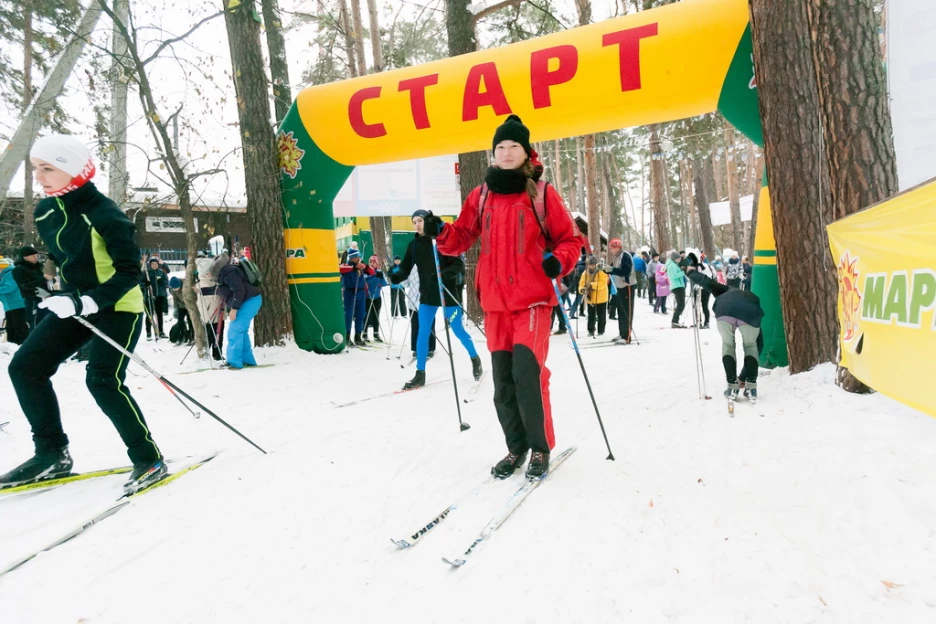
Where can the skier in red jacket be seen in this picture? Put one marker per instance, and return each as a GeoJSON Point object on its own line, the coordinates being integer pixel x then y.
{"type": "Point", "coordinates": [522, 253]}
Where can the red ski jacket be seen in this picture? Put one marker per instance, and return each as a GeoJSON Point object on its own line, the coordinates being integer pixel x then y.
{"type": "Point", "coordinates": [510, 275]}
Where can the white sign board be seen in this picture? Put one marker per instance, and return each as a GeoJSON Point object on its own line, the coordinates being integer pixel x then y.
{"type": "Point", "coordinates": [168, 225]}
{"type": "Point", "coordinates": [911, 77]}
{"type": "Point", "coordinates": [721, 211]}
{"type": "Point", "coordinates": [401, 188]}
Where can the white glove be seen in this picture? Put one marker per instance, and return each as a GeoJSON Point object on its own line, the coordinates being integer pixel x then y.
{"type": "Point", "coordinates": [67, 305]}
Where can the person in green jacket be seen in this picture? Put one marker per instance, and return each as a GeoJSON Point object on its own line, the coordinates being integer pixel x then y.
{"type": "Point", "coordinates": [677, 286]}
{"type": "Point", "coordinates": [92, 242]}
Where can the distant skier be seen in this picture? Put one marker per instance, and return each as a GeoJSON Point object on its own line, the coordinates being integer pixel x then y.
{"type": "Point", "coordinates": [92, 242]}
{"type": "Point", "coordinates": [521, 256]}
{"type": "Point", "coordinates": [734, 309]}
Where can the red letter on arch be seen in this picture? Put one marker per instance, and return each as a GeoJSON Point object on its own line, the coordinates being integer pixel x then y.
{"type": "Point", "coordinates": [541, 79]}
{"type": "Point", "coordinates": [356, 114]}
{"type": "Point", "coordinates": [493, 96]}
{"type": "Point", "coordinates": [417, 89]}
{"type": "Point", "coordinates": [629, 49]}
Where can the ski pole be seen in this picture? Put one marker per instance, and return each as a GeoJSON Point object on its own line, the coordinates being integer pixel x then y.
{"type": "Point", "coordinates": [165, 382]}
{"type": "Point", "coordinates": [587, 382]}
{"type": "Point", "coordinates": [409, 323]}
{"type": "Point", "coordinates": [463, 426]}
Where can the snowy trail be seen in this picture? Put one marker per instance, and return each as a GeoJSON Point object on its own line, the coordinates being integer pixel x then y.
{"type": "Point", "coordinates": [819, 510]}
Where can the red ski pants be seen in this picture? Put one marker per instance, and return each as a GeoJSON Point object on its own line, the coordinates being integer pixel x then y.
{"type": "Point", "coordinates": [519, 343]}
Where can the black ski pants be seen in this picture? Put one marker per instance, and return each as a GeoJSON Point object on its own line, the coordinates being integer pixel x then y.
{"type": "Point", "coordinates": [50, 344]}
{"type": "Point", "coordinates": [16, 326]}
{"type": "Point", "coordinates": [158, 307]}
{"type": "Point", "coordinates": [680, 295]}
{"type": "Point", "coordinates": [398, 302]}
{"type": "Point", "coordinates": [597, 312]}
{"type": "Point", "coordinates": [373, 316]}
{"type": "Point", "coordinates": [625, 311]}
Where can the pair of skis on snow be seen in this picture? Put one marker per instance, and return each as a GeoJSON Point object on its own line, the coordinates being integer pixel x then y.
{"type": "Point", "coordinates": [733, 396]}
{"type": "Point", "coordinates": [470, 396]}
{"type": "Point", "coordinates": [513, 502]}
{"type": "Point", "coordinates": [119, 504]}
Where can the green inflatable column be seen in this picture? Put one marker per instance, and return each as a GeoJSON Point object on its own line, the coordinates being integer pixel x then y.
{"type": "Point", "coordinates": [311, 179]}
{"type": "Point", "coordinates": [738, 103]}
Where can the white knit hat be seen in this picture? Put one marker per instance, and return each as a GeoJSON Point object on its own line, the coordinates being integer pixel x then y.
{"type": "Point", "coordinates": [62, 151]}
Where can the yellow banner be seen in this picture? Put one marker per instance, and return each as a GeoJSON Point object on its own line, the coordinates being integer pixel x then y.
{"type": "Point", "coordinates": [886, 263]}
{"type": "Point", "coordinates": [667, 63]}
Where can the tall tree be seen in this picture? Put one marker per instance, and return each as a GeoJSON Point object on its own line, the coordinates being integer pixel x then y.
{"type": "Point", "coordinates": [119, 79]}
{"type": "Point", "coordinates": [702, 180]}
{"type": "Point", "coordinates": [820, 83]}
{"type": "Point", "coordinates": [261, 172]}
{"type": "Point", "coordinates": [590, 164]}
{"type": "Point", "coordinates": [279, 68]}
{"type": "Point", "coordinates": [472, 166]}
{"type": "Point", "coordinates": [661, 238]}
{"type": "Point", "coordinates": [857, 133]}
{"type": "Point", "coordinates": [345, 20]}
{"type": "Point", "coordinates": [29, 233]}
{"type": "Point", "coordinates": [734, 196]}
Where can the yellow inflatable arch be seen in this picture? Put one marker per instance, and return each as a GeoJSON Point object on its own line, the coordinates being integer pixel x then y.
{"type": "Point", "coordinates": [676, 61]}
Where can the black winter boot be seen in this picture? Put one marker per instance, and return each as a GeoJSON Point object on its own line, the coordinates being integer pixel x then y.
{"type": "Point", "coordinates": [359, 340]}
{"type": "Point", "coordinates": [41, 467]}
{"type": "Point", "coordinates": [507, 466]}
{"type": "Point", "coordinates": [538, 466]}
{"type": "Point", "coordinates": [145, 474]}
{"type": "Point", "coordinates": [476, 369]}
{"type": "Point", "coordinates": [418, 381]}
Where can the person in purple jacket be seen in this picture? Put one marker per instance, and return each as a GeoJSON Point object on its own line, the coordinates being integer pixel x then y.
{"type": "Point", "coordinates": [244, 300]}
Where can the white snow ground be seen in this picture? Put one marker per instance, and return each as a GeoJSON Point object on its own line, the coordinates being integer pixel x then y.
{"type": "Point", "coordinates": [812, 506]}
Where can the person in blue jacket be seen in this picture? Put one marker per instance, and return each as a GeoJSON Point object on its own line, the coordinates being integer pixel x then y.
{"type": "Point", "coordinates": [14, 307]}
{"type": "Point", "coordinates": [374, 284]}
{"type": "Point", "coordinates": [244, 300]}
{"type": "Point", "coordinates": [640, 271]}
{"type": "Point", "coordinates": [354, 275]}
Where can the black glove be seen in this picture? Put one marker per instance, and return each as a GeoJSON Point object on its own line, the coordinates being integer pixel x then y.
{"type": "Point", "coordinates": [551, 266]}
{"type": "Point", "coordinates": [432, 225]}
{"type": "Point", "coordinates": [693, 260]}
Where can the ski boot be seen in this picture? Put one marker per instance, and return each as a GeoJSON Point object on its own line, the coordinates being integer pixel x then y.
{"type": "Point", "coordinates": [418, 381]}
{"type": "Point", "coordinates": [507, 466]}
{"type": "Point", "coordinates": [538, 466]}
{"type": "Point", "coordinates": [145, 474]}
{"type": "Point", "coordinates": [359, 340]}
{"type": "Point", "coordinates": [41, 467]}
{"type": "Point", "coordinates": [559, 332]}
{"type": "Point", "coordinates": [476, 369]}
{"type": "Point", "coordinates": [750, 391]}
{"type": "Point", "coordinates": [731, 393]}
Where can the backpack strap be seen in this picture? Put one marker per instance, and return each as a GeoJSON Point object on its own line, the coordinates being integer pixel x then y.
{"type": "Point", "coordinates": [539, 209]}
{"type": "Point", "coordinates": [481, 201]}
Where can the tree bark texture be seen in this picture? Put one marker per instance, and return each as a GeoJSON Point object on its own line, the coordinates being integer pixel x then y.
{"type": "Point", "coordinates": [658, 192]}
{"type": "Point", "coordinates": [261, 173]}
{"type": "Point", "coordinates": [29, 227]}
{"type": "Point", "coordinates": [279, 68]}
{"type": "Point", "coordinates": [702, 177]}
{"type": "Point", "coordinates": [858, 136]}
{"type": "Point", "coordinates": [801, 199]}
{"type": "Point", "coordinates": [472, 166]}
{"type": "Point", "coordinates": [357, 35]}
{"type": "Point", "coordinates": [591, 192]}
{"type": "Point", "coordinates": [344, 17]}
{"type": "Point", "coordinates": [119, 79]}
{"type": "Point", "coordinates": [734, 199]}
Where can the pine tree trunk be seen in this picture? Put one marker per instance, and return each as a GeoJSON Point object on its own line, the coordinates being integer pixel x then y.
{"type": "Point", "coordinates": [29, 226]}
{"type": "Point", "coordinates": [718, 170]}
{"type": "Point", "coordinates": [472, 166]}
{"type": "Point", "coordinates": [345, 18]}
{"type": "Point", "coordinates": [801, 201]}
{"type": "Point", "coordinates": [734, 200]}
{"type": "Point", "coordinates": [357, 35]}
{"type": "Point", "coordinates": [658, 192]}
{"type": "Point", "coordinates": [858, 137]}
{"type": "Point", "coordinates": [262, 176]}
{"type": "Point", "coordinates": [279, 68]}
{"type": "Point", "coordinates": [702, 177]}
{"type": "Point", "coordinates": [580, 177]}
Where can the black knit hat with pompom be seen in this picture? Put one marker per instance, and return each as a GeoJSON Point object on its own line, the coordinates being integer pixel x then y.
{"type": "Point", "coordinates": [513, 130]}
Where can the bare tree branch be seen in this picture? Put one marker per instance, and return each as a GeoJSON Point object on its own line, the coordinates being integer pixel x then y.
{"type": "Point", "coordinates": [169, 42]}
{"type": "Point", "coordinates": [492, 9]}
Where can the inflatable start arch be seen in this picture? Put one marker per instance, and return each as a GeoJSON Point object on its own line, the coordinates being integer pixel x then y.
{"type": "Point", "coordinates": [676, 61]}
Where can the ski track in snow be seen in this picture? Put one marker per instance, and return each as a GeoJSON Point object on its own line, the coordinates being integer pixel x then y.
{"type": "Point", "coordinates": [812, 506]}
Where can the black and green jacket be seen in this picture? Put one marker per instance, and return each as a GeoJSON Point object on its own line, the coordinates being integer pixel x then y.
{"type": "Point", "coordinates": [92, 242]}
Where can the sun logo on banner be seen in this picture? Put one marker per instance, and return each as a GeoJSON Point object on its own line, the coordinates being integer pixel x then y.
{"type": "Point", "coordinates": [290, 155]}
{"type": "Point", "coordinates": [850, 295]}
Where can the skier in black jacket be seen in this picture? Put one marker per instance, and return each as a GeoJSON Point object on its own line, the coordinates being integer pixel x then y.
{"type": "Point", "coordinates": [27, 272]}
{"type": "Point", "coordinates": [419, 254]}
{"type": "Point", "coordinates": [734, 309]}
{"type": "Point", "coordinates": [92, 242]}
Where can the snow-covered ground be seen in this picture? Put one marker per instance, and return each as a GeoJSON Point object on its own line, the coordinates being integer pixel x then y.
{"type": "Point", "coordinates": [812, 506]}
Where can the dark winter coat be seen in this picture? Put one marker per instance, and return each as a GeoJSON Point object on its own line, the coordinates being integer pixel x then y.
{"type": "Point", "coordinates": [154, 282]}
{"type": "Point", "coordinates": [234, 288]}
{"type": "Point", "coordinates": [29, 277]}
{"type": "Point", "coordinates": [419, 255]}
{"type": "Point", "coordinates": [352, 279]}
{"type": "Point", "coordinates": [92, 242]}
{"type": "Point", "coordinates": [510, 276]}
{"type": "Point", "coordinates": [730, 301]}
